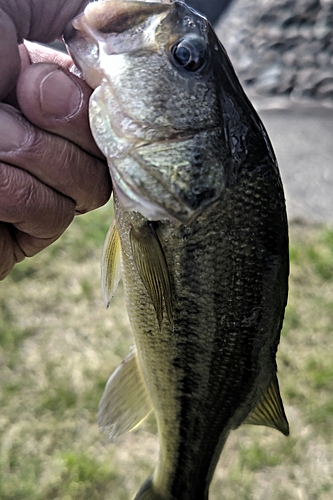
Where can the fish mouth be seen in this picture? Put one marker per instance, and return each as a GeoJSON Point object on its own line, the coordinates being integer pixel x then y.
{"type": "Point", "coordinates": [117, 16]}
{"type": "Point", "coordinates": [98, 21]}
{"type": "Point", "coordinates": [84, 51]}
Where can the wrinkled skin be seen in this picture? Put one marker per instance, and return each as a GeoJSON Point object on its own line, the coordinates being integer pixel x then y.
{"type": "Point", "coordinates": [50, 167]}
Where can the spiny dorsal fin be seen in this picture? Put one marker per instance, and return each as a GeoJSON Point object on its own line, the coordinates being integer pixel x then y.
{"type": "Point", "coordinates": [270, 411]}
{"type": "Point", "coordinates": [110, 264]}
{"type": "Point", "coordinates": [152, 267]}
{"type": "Point", "coordinates": [125, 402]}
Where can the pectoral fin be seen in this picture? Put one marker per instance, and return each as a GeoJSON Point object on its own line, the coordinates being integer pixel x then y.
{"type": "Point", "coordinates": [270, 411]}
{"type": "Point", "coordinates": [152, 267]}
{"type": "Point", "coordinates": [125, 402]}
{"type": "Point", "coordinates": [110, 264]}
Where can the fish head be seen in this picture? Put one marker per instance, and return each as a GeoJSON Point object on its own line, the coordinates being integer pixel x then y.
{"type": "Point", "coordinates": [155, 111]}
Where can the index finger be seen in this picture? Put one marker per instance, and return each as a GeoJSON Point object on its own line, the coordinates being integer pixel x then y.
{"type": "Point", "coordinates": [10, 61]}
{"type": "Point", "coordinates": [56, 162]}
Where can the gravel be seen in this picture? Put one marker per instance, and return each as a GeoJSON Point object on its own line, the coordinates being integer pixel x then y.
{"type": "Point", "coordinates": [282, 47]}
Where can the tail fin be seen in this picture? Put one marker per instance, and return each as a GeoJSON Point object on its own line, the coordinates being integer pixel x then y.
{"type": "Point", "coordinates": [147, 492]}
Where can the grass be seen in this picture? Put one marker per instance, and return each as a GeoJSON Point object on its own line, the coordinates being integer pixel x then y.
{"type": "Point", "coordinates": [58, 346]}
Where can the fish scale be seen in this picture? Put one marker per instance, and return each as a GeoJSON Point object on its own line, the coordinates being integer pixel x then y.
{"type": "Point", "coordinates": [200, 233]}
{"type": "Point", "coordinates": [230, 352]}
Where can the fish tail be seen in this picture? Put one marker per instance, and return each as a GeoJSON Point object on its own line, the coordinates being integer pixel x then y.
{"type": "Point", "coordinates": [147, 492]}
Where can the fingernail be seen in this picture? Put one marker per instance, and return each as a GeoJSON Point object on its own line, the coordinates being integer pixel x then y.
{"type": "Point", "coordinates": [13, 134]}
{"type": "Point", "coordinates": [60, 96]}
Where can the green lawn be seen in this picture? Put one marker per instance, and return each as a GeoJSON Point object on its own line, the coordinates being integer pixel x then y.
{"type": "Point", "coordinates": [58, 346]}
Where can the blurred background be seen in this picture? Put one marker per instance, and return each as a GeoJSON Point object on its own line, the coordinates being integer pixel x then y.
{"type": "Point", "coordinates": [283, 54]}
{"type": "Point", "coordinates": [58, 345]}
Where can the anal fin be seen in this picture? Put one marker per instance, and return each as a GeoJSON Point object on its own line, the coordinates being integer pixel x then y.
{"type": "Point", "coordinates": [125, 402]}
{"type": "Point", "coordinates": [152, 267]}
{"type": "Point", "coordinates": [110, 264]}
{"type": "Point", "coordinates": [270, 411]}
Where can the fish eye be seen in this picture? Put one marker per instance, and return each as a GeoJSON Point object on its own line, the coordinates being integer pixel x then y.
{"type": "Point", "coordinates": [189, 53]}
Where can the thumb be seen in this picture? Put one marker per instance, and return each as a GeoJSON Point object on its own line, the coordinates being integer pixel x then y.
{"type": "Point", "coordinates": [57, 101]}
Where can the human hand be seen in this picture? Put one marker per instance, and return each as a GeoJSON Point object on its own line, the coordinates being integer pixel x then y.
{"type": "Point", "coordinates": [50, 167]}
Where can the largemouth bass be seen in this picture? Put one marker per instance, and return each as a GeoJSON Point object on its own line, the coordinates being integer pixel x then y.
{"type": "Point", "coordinates": [200, 234]}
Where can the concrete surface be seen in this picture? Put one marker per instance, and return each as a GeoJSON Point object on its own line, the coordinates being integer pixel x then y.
{"type": "Point", "coordinates": [302, 139]}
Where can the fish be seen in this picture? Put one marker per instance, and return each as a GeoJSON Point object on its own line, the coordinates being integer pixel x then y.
{"type": "Point", "coordinates": [200, 236]}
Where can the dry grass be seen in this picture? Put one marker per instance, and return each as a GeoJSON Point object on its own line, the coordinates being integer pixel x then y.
{"type": "Point", "coordinates": [58, 346]}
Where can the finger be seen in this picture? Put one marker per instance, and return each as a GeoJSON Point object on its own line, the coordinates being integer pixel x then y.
{"type": "Point", "coordinates": [54, 161]}
{"type": "Point", "coordinates": [57, 101]}
{"type": "Point", "coordinates": [10, 251]}
{"type": "Point", "coordinates": [39, 19]}
{"type": "Point", "coordinates": [11, 97]}
{"type": "Point", "coordinates": [9, 55]}
{"type": "Point", "coordinates": [38, 213]}
{"type": "Point", "coordinates": [42, 54]}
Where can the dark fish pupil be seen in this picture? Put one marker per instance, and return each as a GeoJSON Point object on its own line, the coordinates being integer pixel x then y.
{"type": "Point", "coordinates": [182, 55]}
{"type": "Point", "coordinates": [189, 54]}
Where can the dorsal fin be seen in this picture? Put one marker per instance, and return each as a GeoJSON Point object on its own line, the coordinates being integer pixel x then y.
{"type": "Point", "coordinates": [125, 402]}
{"type": "Point", "coordinates": [110, 264]}
{"type": "Point", "coordinates": [270, 411]}
{"type": "Point", "coordinates": [152, 267]}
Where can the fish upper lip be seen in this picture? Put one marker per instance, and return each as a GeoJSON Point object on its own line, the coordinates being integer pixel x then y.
{"type": "Point", "coordinates": [75, 29]}
{"type": "Point", "coordinates": [114, 17]}
{"type": "Point", "coordinates": [71, 36]}
{"type": "Point", "coordinates": [113, 20]}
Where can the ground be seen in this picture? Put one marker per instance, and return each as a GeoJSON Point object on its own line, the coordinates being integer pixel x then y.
{"type": "Point", "coordinates": [58, 346]}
